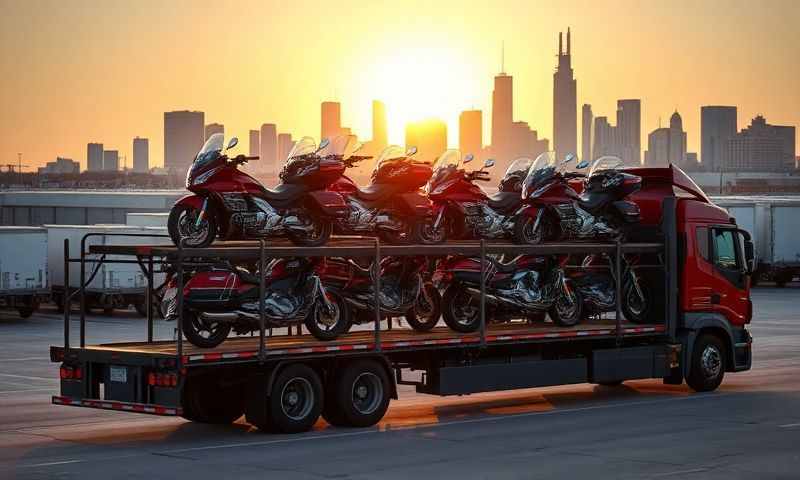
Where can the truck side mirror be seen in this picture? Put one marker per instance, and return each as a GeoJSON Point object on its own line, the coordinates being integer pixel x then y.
{"type": "Point", "coordinates": [750, 256]}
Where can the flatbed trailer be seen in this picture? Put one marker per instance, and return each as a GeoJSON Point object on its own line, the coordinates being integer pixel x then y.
{"type": "Point", "coordinates": [284, 382]}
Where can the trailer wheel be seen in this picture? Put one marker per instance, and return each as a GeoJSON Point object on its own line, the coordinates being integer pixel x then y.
{"type": "Point", "coordinates": [708, 364]}
{"type": "Point", "coordinates": [206, 401]}
{"type": "Point", "coordinates": [296, 400]}
{"type": "Point", "coordinates": [361, 395]}
{"type": "Point", "coordinates": [108, 311]}
{"type": "Point", "coordinates": [25, 312]}
{"type": "Point", "coordinates": [427, 309]}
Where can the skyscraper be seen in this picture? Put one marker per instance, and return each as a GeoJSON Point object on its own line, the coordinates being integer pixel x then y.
{"type": "Point", "coordinates": [94, 157]}
{"type": "Point", "coordinates": [213, 128]}
{"type": "Point", "coordinates": [380, 132]}
{"type": "Point", "coordinates": [429, 136]}
{"type": "Point", "coordinates": [565, 103]}
{"type": "Point", "coordinates": [110, 160]}
{"type": "Point", "coordinates": [586, 132]}
{"type": "Point", "coordinates": [629, 128]}
{"type": "Point", "coordinates": [761, 147]}
{"type": "Point", "coordinates": [285, 145]}
{"type": "Point", "coordinates": [255, 143]}
{"type": "Point", "coordinates": [184, 135]}
{"type": "Point", "coordinates": [717, 127]}
{"type": "Point", "coordinates": [667, 146]}
{"type": "Point", "coordinates": [605, 138]}
{"type": "Point", "coordinates": [268, 162]}
{"type": "Point", "coordinates": [502, 116]}
{"type": "Point", "coordinates": [331, 120]}
{"type": "Point", "coordinates": [470, 132]}
{"type": "Point", "coordinates": [141, 155]}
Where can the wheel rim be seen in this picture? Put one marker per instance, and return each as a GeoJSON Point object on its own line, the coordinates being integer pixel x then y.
{"type": "Point", "coordinates": [205, 329]}
{"type": "Point", "coordinates": [531, 235]}
{"type": "Point", "coordinates": [462, 310]}
{"type": "Point", "coordinates": [297, 398]}
{"type": "Point", "coordinates": [429, 234]}
{"type": "Point", "coordinates": [315, 232]}
{"type": "Point", "coordinates": [325, 318]}
{"type": "Point", "coordinates": [636, 305]}
{"type": "Point", "coordinates": [367, 393]}
{"type": "Point", "coordinates": [567, 306]}
{"type": "Point", "coordinates": [189, 230]}
{"type": "Point", "coordinates": [711, 361]}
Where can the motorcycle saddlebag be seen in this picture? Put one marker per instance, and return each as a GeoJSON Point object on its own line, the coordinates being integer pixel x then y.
{"type": "Point", "coordinates": [329, 203]}
{"type": "Point", "coordinates": [415, 204]}
{"type": "Point", "coordinates": [629, 211]}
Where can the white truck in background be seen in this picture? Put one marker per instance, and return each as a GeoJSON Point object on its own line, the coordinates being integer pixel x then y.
{"type": "Point", "coordinates": [23, 269]}
{"type": "Point", "coordinates": [774, 224]}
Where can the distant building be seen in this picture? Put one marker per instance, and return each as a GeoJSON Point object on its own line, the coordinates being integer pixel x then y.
{"type": "Point", "coordinates": [60, 167]}
{"type": "Point", "coordinates": [691, 164]}
{"type": "Point", "coordinates": [380, 130]}
{"type": "Point", "coordinates": [331, 116]}
{"type": "Point", "coordinates": [605, 140]}
{"type": "Point", "coordinates": [586, 132]}
{"type": "Point", "coordinates": [141, 155]}
{"type": "Point", "coordinates": [629, 130]}
{"type": "Point", "coordinates": [667, 146]}
{"type": "Point", "coordinates": [565, 103]}
{"type": "Point", "coordinates": [717, 127]}
{"type": "Point", "coordinates": [285, 145]}
{"type": "Point", "coordinates": [184, 135]}
{"type": "Point", "coordinates": [430, 138]}
{"type": "Point", "coordinates": [502, 116]}
{"type": "Point", "coordinates": [761, 147]}
{"type": "Point", "coordinates": [110, 160]}
{"type": "Point", "coordinates": [470, 132]}
{"type": "Point", "coordinates": [213, 128]}
{"type": "Point", "coordinates": [268, 163]}
{"type": "Point", "coordinates": [525, 142]}
{"type": "Point", "coordinates": [94, 157]}
{"type": "Point", "coordinates": [255, 143]}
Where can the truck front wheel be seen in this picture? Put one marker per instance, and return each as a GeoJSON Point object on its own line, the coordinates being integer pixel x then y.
{"type": "Point", "coordinates": [707, 364]}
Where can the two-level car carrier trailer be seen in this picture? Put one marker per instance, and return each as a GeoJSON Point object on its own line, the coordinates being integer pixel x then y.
{"type": "Point", "coordinates": [285, 382]}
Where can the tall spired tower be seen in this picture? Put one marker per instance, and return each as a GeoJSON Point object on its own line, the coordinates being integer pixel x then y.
{"type": "Point", "coordinates": [565, 103]}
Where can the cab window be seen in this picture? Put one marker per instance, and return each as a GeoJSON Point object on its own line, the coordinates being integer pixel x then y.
{"type": "Point", "coordinates": [701, 235]}
{"type": "Point", "coordinates": [725, 251]}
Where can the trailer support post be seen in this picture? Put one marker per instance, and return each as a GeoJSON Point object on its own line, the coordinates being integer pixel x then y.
{"type": "Point", "coordinates": [66, 301]}
{"type": "Point", "coordinates": [261, 287]}
{"type": "Point", "coordinates": [376, 283]}
{"type": "Point", "coordinates": [618, 288]}
{"type": "Point", "coordinates": [179, 293]}
{"type": "Point", "coordinates": [82, 291]}
{"type": "Point", "coordinates": [483, 293]}
{"type": "Point", "coordinates": [148, 297]}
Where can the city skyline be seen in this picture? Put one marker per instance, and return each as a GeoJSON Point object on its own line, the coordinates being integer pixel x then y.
{"type": "Point", "coordinates": [671, 64]}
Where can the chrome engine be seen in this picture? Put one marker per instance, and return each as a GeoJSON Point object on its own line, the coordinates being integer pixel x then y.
{"type": "Point", "coordinates": [576, 222]}
{"type": "Point", "coordinates": [364, 219]}
{"type": "Point", "coordinates": [263, 220]}
{"type": "Point", "coordinates": [530, 291]}
{"type": "Point", "coordinates": [485, 222]}
{"type": "Point", "coordinates": [394, 298]}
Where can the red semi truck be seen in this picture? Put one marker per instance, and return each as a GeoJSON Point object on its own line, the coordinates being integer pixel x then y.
{"type": "Point", "coordinates": [695, 255]}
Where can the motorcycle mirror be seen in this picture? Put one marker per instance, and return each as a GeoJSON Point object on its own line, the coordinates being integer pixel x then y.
{"type": "Point", "coordinates": [583, 164]}
{"type": "Point", "coordinates": [324, 143]}
{"type": "Point", "coordinates": [411, 151]}
{"type": "Point", "coordinates": [357, 147]}
{"type": "Point", "coordinates": [232, 143]}
{"type": "Point", "coordinates": [570, 157]}
{"type": "Point", "coordinates": [468, 158]}
{"type": "Point", "coordinates": [489, 163]}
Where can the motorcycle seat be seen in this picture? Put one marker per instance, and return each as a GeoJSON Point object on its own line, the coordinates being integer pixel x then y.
{"type": "Point", "coordinates": [373, 192]}
{"type": "Point", "coordinates": [503, 200]}
{"type": "Point", "coordinates": [284, 192]}
{"type": "Point", "coordinates": [591, 202]}
{"type": "Point", "coordinates": [247, 277]}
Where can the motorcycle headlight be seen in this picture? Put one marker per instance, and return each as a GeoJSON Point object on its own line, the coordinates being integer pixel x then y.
{"type": "Point", "coordinates": [443, 186]}
{"type": "Point", "coordinates": [204, 176]}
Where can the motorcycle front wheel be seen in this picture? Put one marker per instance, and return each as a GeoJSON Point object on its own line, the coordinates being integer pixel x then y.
{"type": "Point", "coordinates": [525, 234]}
{"type": "Point", "coordinates": [318, 234]}
{"type": "Point", "coordinates": [328, 323]}
{"type": "Point", "coordinates": [426, 234]}
{"type": "Point", "coordinates": [182, 224]}
{"type": "Point", "coordinates": [461, 311]}
{"type": "Point", "coordinates": [567, 310]}
{"type": "Point", "coordinates": [636, 309]}
{"type": "Point", "coordinates": [201, 333]}
{"type": "Point", "coordinates": [427, 309]}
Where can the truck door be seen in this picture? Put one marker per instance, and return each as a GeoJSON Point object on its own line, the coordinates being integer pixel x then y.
{"type": "Point", "coordinates": [731, 283]}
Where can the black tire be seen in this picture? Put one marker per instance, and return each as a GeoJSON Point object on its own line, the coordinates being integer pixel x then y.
{"type": "Point", "coordinates": [425, 234]}
{"type": "Point", "coordinates": [707, 363]}
{"type": "Point", "coordinates": [296, 401]}
{"type": "Point", "coordinates": [524, 234]}
{"type": "Point", "coordinates": [108, 311]}
{"type": "Point", "coordinates": [178, 214]}
{"type": "Point", "coordinates": [427, 309]}
{"type": "Point", "coordinates": [315, 322]}
{"type": "Point", "coordinates": [568, 314]}
{"type": "Point", "coordinates": [206, 401]}
{"type": "Point", "coordinates": [322, 233]}
{"type": "Point", "coordinates": [361, 395]}
{"type": "Point", "coordinates": [635, 309]}
{"type": "Point", "coordinates": [455, 303]}
{"type": "Point", "coordinates": [611, 383]}
{"type": "Point", "coordinates": [25, 312]}
{"type": "Point", "coordinates": [193, 328]}
{"type": "Point", "coordinates": [406, 236]}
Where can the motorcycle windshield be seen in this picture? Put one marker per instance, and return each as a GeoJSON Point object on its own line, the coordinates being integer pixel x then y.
{"type": "Point", "coordinates": [448, 163]}
{"type": "Point", "coordinates": [518, 167]}
{"type": "Point", "coordinates": [539, 174]}
{"type": "Point", "coordinates": [606, 163]}
{"type": "Point", "coordinates": [304, 146]}
{"type": "Point", "coordinates": [211, 150]}
{"type": "Point", "coordinates": [390, 154]}
{"type": "Point", "coordinates": [339, 146]}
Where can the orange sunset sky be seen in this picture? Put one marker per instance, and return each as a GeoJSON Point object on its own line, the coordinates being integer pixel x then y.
{"type": "Point", "coordinates": [105, 71]}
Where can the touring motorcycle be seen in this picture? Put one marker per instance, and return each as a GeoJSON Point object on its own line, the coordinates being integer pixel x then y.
{"type": "Point", "coordinates": [229, 203]}
{"type": "Point", "coordinates": [462, 209]}
{"type": "Point", "coordinates": [403, 289]}
{"type": "Point", "coordinates": [526, 287]}
{"type": "Point", "coordinates": [222, 297]}
{"type": "Point", "coordinates": [391, 206]}
{"type": "Point", "coordinates": [555, 211]}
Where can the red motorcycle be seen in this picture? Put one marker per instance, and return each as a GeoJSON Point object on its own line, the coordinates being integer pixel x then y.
{"type": "Point", "coordinates": [231, 204]}
{"type": "Point", "coordinates": [391, 206]}
{"type": "Point", "coordinates": [527, 287]}
{"type": "Point", "coordinates": [221, 298]}
{"type": "Point", "coordinates": [555, 211]}
{"type": "Point", "coordinates": [404, 291]}
{"type": "Point", "coordinates": [462, 209]}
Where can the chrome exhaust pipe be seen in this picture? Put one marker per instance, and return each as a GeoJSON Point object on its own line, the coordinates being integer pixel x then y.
{"type": "Point", "coordinates": [219, 317]}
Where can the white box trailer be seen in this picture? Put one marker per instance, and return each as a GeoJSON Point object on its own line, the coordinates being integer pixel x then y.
{"type": "Point", "coordinates": [147, 219]}
{"type": "Point", "coordinates": [108, 285]}
{"type": "Point", "coordinates": [23, 268]}
{"type": "Point", "coordinates": [774, 224]}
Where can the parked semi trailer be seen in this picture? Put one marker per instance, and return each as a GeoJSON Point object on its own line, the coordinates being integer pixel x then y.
{"type": "Point", "coordinates": [23, 269]}
{"type": "Point", "coordinates": [774, 224]}
{"type": "Point", "coordinates": [285, 383]}
{"type": "Point", "coordinates": [109, 285]}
